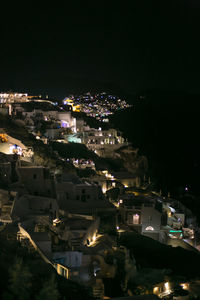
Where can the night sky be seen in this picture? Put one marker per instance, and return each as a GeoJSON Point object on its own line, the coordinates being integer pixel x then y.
{"type": "Point", "coordinates": [132, 45]}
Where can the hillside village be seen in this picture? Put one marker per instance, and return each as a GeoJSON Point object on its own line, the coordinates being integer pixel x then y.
{"type": "Point", "coordinates": [73, 193]}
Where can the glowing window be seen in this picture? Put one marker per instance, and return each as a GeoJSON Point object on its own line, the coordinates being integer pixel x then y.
{"type": "Point", "coordinates": [149, 228]}
{"type": "Point", "coordinates": [136, 219]}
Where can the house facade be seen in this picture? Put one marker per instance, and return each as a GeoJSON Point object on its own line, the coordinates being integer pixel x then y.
{"type": "Point", "coordinates": [142, 214]}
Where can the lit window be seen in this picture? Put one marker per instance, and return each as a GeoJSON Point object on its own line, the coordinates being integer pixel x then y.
{"type": "Point", "coordinates": [149, 228]}
{"type": "Point", "coordinates": [136, 219]}
{"type": "Point", "coordinates": [155, 290]}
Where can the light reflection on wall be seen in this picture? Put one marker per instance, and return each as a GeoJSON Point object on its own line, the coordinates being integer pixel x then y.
{"type": "Point", "coordinates": [73, 139]}
{"type": "Point", "coordinates": [64, 124]}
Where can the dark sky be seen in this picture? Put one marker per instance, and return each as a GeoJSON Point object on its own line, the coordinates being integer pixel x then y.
{"type": "Point", "coordinates": [133, 45]}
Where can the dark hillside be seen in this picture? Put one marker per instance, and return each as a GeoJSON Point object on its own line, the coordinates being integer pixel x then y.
{"type": "Point", "coordinates": [165, 128]}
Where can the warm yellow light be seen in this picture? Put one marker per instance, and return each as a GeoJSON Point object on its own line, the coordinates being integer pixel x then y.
{"type": "Point", "coordinates": [104, 190]}
{"type": "Point", "coordinates": [76, 108]}
{"type": "Point", "coordinates": [93, 240]}
{"type": "Point", "coordinates": [155, 290]}
{"type": "Point", "coordinates": [3, 138]}
{"type": "Point", "coordinates": [184, 286]}
{"type": "Point", "coordinates": [136, 193]}
{"type": "Point", "coordinates": [167, 288]}
{"type": "Point", "coordinates": [60, 269]}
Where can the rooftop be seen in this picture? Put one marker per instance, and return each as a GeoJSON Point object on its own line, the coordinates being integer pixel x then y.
{"type": "Point", "coordinates": [29, 204]}
{"type": "Point", "coordinates": [77, 222]}
{"type": "Point", "coordinates": [4, 195]}
{"type": "Point", "coordinates": [84, 207]}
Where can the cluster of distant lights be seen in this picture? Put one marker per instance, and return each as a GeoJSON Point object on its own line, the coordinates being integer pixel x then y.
{"type": "Point", "coordinates": [94, 108]}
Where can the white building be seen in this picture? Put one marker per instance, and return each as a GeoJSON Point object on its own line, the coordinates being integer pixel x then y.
{"type": "Point", "coordinates": [13, 97]}
{"type": "Point", "coordinates": [80, 197]}
{"type": "Point", "coordinates": [67, 121]}
{"type": "Point", "coordinates": [143, 214]}
{"type": "Point", "coordinates": [10, 145]}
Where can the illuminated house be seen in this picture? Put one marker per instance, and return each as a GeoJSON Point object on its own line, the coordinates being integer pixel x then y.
{"type": "Point", "coordinates": [179, 215]}
{"type": "Point", "coordinates": [13, 97]}
{"type": "Point", "coordinates": [67, 121]}
{"type": "Point", "coordinates": [106, 180]}
{"type": "Point", "coordinates": [154, 282]}
{"type": "Point", "coordinates": [102, 137]}
{"type": "Point", "coordinates": [40, 114]}
{"type": "Point", "coordinates": [77, 229]}
{"type": "Point", "coordinates": [175, 219]}
{"type": "Point", "coordinates": [104, 147]}
{"type": "Point", "coordinates": [71, 264]}
{"type": "Point", "coordinates": [84, 262]}
{"type": "Point", "coordinates": [75, 265]}
{"type": "Point", "coordinates": [83, 163]}
{"type": "Point", "coordinates": [101, 142]}
{"type": "Point", "coordinates": [79, 197]}
{"type": "Point", "coordinates": [70, 102]}
{"type": "Point", "coordinates": [143, 214]}
{"type": "Point", "coordinates": [74, 138]}
{"type": "Point", "coordinates": [10, 145]}
{"type": "Point", "coordinates": [3, 138]}
{"type": "Point", "coordinates": [58, 120]}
